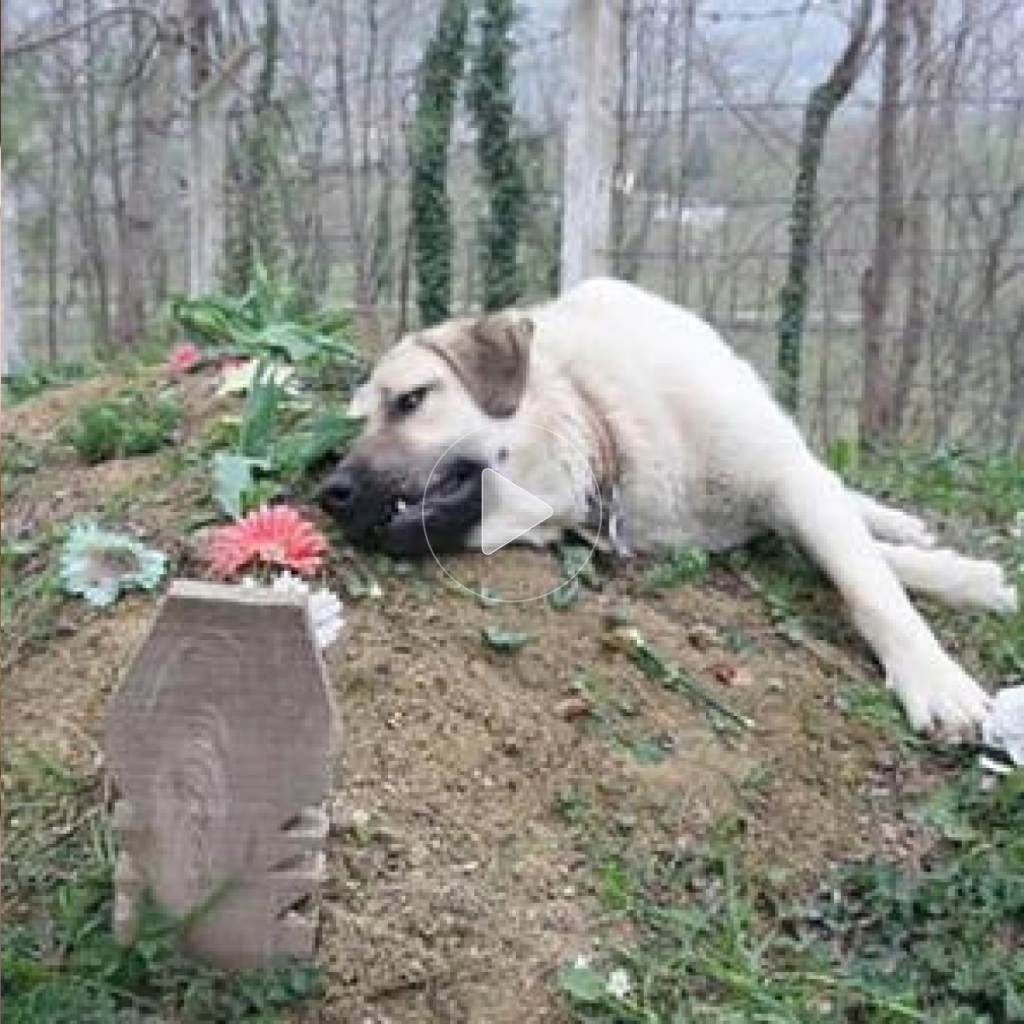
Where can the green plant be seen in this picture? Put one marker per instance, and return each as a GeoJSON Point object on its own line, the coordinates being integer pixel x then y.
{"type": "Point", "coordinates": [683, 565]}
{"type": "Point", "coordinates": [882, 943]}
{"type": "Point", "coordinates": [279, 439]}
{"type": "Point", "coordinates": [268, 320]}
{"type": "Point", "coordinates": [60, 964]}
{"type": "Point", "coordinates": [490, 99]}
{"type": "Point", "coordinates": [16, 460]}
{"type": "Point", "coordinates": [38, 378]}
{"type": "Point", "coordinates": [131, 423]}
{"type": "Point", "coordinates": [431, 207]}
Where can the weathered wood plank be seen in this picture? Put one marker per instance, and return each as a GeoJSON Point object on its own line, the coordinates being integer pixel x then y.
{"type": "Point", "coordinates": [221, 742]}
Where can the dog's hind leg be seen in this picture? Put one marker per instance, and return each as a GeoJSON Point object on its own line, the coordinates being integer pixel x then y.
{"type": "Point", "coordinates": [891, 524]}
{"type": "Point", "coordinates": [950, 577]}
{"type": "Point", "coordinates": [809, 502]}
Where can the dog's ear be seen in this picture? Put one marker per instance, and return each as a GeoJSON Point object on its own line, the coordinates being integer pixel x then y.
{"type": "Point", "coordinates": [492, 358]}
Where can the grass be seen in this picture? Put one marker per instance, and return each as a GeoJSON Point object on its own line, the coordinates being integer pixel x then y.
{"type": "Point", "coordinates": [686, 934]}
{"type": "Point", "coordinates": [60, 964]}
{"type": "Point", "coordinates": [40, 377]}
{"type": "Point", "coordinates": [702, 936]}
{"type": "Point", "coordinates": [879, 943]}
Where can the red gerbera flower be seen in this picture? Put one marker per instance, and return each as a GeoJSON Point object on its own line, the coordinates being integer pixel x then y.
{"type": "Point", "coordinates": [273, 536]}
{"type": "Point", "coordinates": [183, 357]}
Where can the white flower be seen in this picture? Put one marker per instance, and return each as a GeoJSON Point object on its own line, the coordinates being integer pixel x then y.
{"type": "Point", "coordinates": [619, 984]}
{"type": "Point", "coordinates": [325, 608]}
{"type": "Point", "coordinates": [582, 961]}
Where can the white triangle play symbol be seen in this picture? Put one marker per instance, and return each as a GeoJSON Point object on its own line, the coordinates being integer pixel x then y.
{"type": "Point", "coordinates": [507, 511]}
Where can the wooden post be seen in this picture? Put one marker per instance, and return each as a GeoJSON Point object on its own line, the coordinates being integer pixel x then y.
{"type": "Point", "coordinates": [221, 743]}
{"type": "Point", "coordinates": [590, 136]}
{"type": "Point", "coordinates": [10, 352]}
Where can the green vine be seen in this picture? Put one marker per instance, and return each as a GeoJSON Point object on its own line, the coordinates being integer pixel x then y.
{"type": "Point", "coordinates": [490, 101]}
{"type": "Point", "coordinates": [258, 237]}
{"type": "Point", "coordinates": [431, 207]}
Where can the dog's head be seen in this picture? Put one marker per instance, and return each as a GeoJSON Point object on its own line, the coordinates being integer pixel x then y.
{"type": "Point", "coordinates": [437, 410]}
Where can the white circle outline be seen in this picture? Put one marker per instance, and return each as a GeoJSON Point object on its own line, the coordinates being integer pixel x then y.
{"type": "Point", "coordinates": [517, 600]}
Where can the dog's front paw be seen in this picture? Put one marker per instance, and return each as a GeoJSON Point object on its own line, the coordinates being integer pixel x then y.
{"type": "Point", "coordinates": [939, 696]}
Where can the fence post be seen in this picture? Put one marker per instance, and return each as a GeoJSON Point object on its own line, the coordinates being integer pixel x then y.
{"type": "Point", "coordinates": [590, 133]}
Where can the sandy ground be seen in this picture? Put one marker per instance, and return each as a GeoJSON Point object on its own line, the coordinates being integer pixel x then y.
{"type": "Point", "coordinates": [458, 882]}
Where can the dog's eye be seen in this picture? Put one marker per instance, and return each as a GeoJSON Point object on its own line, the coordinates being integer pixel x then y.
{"type": "Point", "coordinates": [409, 402]}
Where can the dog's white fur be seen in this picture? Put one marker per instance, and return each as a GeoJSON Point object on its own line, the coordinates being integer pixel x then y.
{"type": "Point", "coordinates": [705, 457]}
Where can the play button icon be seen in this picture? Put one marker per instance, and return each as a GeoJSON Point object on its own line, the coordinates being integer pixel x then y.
{"type": "Point", "coordinates": [507, 511]}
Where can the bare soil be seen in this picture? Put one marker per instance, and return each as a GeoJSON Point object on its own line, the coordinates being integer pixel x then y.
{"type": "Point", "coordinates": [459, 880]}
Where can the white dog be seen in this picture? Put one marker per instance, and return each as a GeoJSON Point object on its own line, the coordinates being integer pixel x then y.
{"type": "Point", "coordinates": [680, 435]}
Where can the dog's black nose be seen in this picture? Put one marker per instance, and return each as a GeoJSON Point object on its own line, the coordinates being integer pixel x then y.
{"type": "Point", "coordinates": [338, 490]}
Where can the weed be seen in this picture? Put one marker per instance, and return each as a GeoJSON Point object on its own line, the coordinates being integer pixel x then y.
{"type": "Point", "coordinates": [878, 707]}
{"type": "Point", "coordinates": [60, 963]}
{"type": "Point", "coordinates": [880, 944]}
{"type": "Point", "coordinates": [30, 593]}
{"type": "Point", "coordinates": [673, 677]}
{"type": "Point", "coordinates": [131, 423]}
{"type": "Point", "coordinates": [683, 565]}
{"type": "Point", "coordinates": [16, 460]}
{"type": "Point", "coordinates": [279, 440]}
{"type": "Point", "coordinates": [269, 319]}
{"type": "Point", "coordinates": [41, 377]}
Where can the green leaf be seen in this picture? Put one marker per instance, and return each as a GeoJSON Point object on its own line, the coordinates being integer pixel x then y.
{"type": "Point", "coordinates": [313, 441]}
{"type": "Point", "coordinates": [233, 477]}
{"type": "Point", "coordinates": [566, 595]}
{"type": "Point", "coordinates": [261, 415]}
{"type": "Point", "coordinates": [291, 339]}
{"type": "Point", "coordinates": [684, 565]}
{"type": "Point", "coordinates": [582, 984]}
{"type": "Point", "coordinates": [502, 639]}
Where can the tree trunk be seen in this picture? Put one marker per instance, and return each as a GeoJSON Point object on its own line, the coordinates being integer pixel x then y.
{"type": "Point", "coordinates": [1013, 407]}
{"type": "Point", "coordinates": [10, 268]}
{"type": "Point", "coordinates": [822, 104]}
{"type": "Point", "coordinates": [680, 257]}
{"type": "Point", "coordinates": [53, 198]}
{"type": "Point", "coordinates": [256, 154]}
{"type": "Point", "coordinates": [152, 108]}
{"type": "Point", "coordinates": [207, 137]}
{"type": "Point", "coordinates": [876, 403]}
{"type": "Point", "coordinates": [911, 345]}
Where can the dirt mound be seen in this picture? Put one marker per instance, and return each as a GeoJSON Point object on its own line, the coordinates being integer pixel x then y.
{"type": "Point", "coordinates": [458, 881]}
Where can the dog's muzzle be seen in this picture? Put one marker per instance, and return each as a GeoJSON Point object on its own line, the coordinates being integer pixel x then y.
{"type": "Point", "coordinates": [379, 510]}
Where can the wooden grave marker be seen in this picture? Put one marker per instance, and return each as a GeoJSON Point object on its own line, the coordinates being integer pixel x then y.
{"type": "Point", "coordinates": [221, 742]}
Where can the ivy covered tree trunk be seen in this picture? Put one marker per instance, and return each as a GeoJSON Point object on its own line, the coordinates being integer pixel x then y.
{"type": "Point", "coordinates": [257, 237]}
{"type": "Point", "coordinates": [431, 207]}
{"type": "Point", "coordinates": [822, 104]}
{"type": "Point", "coordinates": [490, 98]}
